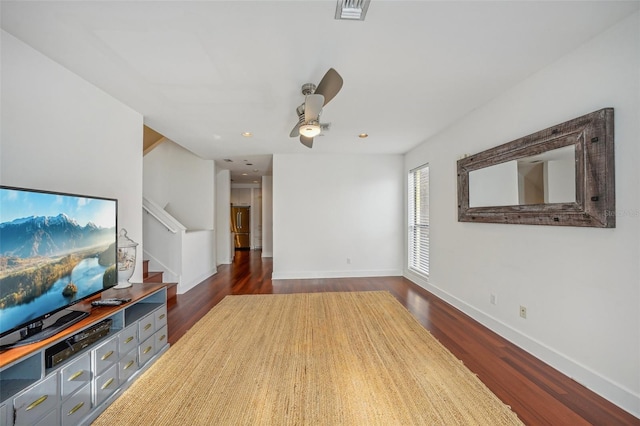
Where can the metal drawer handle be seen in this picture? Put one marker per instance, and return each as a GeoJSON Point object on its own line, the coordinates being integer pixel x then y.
{"type": "Point", "coordinates": [75, 376]}
{"type": "Point", "coordinates": [37, 402]}
{"type": "Point", "coordinates": [107, 383]}
{"type": "Point", "coordinates": [76, 408]}
{"type": "Point", "coordinates": [107, 355]}
{"type": "Point", "coordinates": [147, 349]}
{"type": "Point", "coordinates": [163, 337]}
{"type": "Point", "coordinates": [130, 338]}
{"type": "Point", "coordinates": [129, 364]}
{"type": "Point", "coordinates": [148, 326]}
{"type": "Point", "coordinates": [161, 316]}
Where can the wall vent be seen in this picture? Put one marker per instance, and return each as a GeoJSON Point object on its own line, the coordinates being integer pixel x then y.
{"type": "Point", "coordinates": [352, 10]}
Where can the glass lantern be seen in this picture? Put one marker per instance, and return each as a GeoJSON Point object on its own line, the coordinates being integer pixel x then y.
{"type": "Point", "coordinates": [126, 259]}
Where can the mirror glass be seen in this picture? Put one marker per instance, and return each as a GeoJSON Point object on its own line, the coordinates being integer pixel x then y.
{"type": "Point", "coordinates": [563, 175]}
{"type": "Point", "coordinates": [545, 178]}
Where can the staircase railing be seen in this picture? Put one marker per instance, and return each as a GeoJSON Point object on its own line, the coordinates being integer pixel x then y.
{"type": "Point", "coordinates": [186, 257]}
{"type": "Point", "coordinates": [162, 216]}
{"type": "Point", "coordinates": [159, 219]}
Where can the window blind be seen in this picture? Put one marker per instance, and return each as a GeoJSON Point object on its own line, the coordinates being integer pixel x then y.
{"type": "Point", "coordinates": [419, 219]}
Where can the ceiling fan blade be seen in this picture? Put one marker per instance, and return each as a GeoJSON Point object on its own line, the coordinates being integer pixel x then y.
{"type": "Point", "coordinates": [330, 85]}
{"type": "Point", "coordinates": [312, 107]}
{"type": "Point", "coordinates": [308, 142]}
{"type": "Point", "coordinates": [295, 131]}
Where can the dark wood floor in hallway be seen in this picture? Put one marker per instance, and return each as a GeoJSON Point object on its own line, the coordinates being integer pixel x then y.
{"type": "Point", "coordinates": [539, 394]}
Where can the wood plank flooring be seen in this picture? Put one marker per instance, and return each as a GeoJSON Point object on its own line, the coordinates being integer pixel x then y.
{"type": "Point", "coordinates": [539, 394]}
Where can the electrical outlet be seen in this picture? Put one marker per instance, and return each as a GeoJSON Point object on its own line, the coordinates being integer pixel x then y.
{"type": "Point", "coordinates": [523, 311]}
{"type": "Point", "coordinates": [493, 299]}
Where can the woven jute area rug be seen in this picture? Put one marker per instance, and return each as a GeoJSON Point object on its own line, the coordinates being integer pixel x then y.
{"type": "Point", "coordinates": [355, 358]}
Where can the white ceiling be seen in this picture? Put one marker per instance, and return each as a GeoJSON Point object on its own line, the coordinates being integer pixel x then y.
{"type": "Point", "coordinates": [203, 72]}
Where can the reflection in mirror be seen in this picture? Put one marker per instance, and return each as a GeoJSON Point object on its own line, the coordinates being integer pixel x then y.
{"type": "Point", "coordinates": [494, 186]}
{"type": "Point", "coordinates": [549, 177]}
{"type": "Point", "coordinates": [545, 178]}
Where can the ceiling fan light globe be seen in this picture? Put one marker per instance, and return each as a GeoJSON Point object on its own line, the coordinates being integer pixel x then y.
{"type": "Point", "coordinates": [310, 130]}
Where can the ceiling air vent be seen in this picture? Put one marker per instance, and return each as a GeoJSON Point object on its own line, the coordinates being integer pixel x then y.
{"type": "Point", "coordinates": [354, 10]}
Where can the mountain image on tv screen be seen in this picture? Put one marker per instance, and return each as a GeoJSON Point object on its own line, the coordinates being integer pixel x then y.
{"type": "Point", "coordinates": [55, 249]}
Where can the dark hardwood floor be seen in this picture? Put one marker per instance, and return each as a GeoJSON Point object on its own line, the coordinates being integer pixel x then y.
{"type": "Point", "coordinates": [539, 394]}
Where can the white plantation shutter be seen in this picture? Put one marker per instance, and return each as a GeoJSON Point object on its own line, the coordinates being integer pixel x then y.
{"type": "Point", "coordinates": [419, 219]}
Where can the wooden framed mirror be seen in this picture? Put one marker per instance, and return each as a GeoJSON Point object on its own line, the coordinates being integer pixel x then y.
{"type": "Point", "coordinates": [562, 175]}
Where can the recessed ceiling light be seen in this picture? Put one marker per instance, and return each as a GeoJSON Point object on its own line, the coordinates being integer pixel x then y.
{"type": "Point", "coordinates": [247, 134]}
{"type": "Point", "coordinates": [244, 174]}
{"type": "Point", "coordinates": [249, 164]}
{"type": "Point", "coordinates": [256, 170]}
{"type": "Point", "coordinates": [228, 160]}
{"type": "Point", "coordinates": [363, 135]}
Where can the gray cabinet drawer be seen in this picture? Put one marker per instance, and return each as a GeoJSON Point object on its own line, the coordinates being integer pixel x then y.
{"type": "Point", "coordinates": [75, 375]}
{"type": "Point", "coordinates": [106, 384]}
{"type": "Point", "coordinates": [76, 407]}
{"type": "Point", "coordinates": [51, 419]}
{"type": "Point", "coordinates": [3, 415]}
{"type": "Point", "coordinates": [36, 401]}
{"type": "Point", "coordinates": [160, 338]}
{"type": "Point", "coordinates": [105, 355]}
{"type": "Point", "coordinates": [127, 366]}
{"type": "Point", "coordinates": [127, 339]}
{"type": "Point", "coordinates": [146, 350]}
{"type": "Point", "coordinates": [161, 317]}
{"type": "Point", "coordinates": [146, 327]}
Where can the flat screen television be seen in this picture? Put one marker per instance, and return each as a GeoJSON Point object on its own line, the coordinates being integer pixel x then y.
{"type": "Point", "coordinates": [56, 249]}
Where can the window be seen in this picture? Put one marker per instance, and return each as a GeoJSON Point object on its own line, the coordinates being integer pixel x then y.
{"type": "Point", "coordinates": [418, 196]}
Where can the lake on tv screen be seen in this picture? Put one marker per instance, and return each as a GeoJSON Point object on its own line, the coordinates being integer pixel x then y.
{"type": "Point", "coordinates": [86, 276]}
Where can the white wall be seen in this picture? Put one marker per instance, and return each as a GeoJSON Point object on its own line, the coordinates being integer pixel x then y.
{"type": "Point", "coordinates": [267, 216]}
{"type": "Point", "coordinates": [224, 244]}
{"type": "Point", "coordinates": [182, 183]}
{"type": "Point", "coordinates": [241, 194]}
{"type": "Point", "coordinates": [60, 133]}
{"type": "Point", "coordinates": [256, 219]}
{"type": "Point", "coordinates": [580, 285]}
{"type": "Point", "coordinates": [560, 180]}
{"type": "Point", "coordinates": [330, 208]}
{"type": "Point", "coordinates": [198, 258]}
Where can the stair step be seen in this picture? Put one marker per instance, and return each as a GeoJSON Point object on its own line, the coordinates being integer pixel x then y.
{"type": "Point", "coordinates": [157, 277]}
{"type": "Point", "coordinates": [153, 277]}
{"type": "Point", "coordinates": [145, 268]}
{"type": "Point", "coordinates": [150, 277]}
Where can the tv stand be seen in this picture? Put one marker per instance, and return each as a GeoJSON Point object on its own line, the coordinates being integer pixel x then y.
{"type": "Point", "coordinates": [61, 320]}
{"type": "Point", "coordinates": [78, 388]}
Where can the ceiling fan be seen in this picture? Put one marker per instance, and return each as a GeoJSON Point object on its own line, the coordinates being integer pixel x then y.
{"type": "Point", "coordinates": [316, 97]}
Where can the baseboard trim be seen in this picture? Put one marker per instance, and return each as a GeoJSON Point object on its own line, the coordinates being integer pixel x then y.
{"type": "Point", "coordinates": [296, 275]}
{"type": "Point", "coordinates": [186, 286]}
{"type": "Point", "coordinates": [613, 392]}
